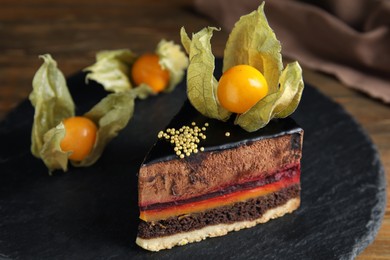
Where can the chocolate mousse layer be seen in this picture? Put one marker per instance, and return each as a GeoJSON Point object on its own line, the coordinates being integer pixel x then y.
{"type": "Point", "coordinates": [226, 160]}
{"type": "Point", "coordinates": [287, 174]}
{"type": "Point", "coordinates": [242, 211]}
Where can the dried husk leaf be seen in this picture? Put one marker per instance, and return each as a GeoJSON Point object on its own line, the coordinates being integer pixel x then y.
{"type": "Point", "coordinates": [253, 42]}
{"type": "Point", "coordinates": [174, 60]}
{"type": "Point", "coordinates": [143, 91]}
{"type": "Point", "coordinates": [185, 41]}
{"type": "Point", "coordinates": [51, 152]}
{"type": "Point", "coordinates": [201, 83]}
{"type": "Point", "coordinates": [111, 115]}
{"type": "Point", "coordinates": [112, 69]}
{"type": "Point", "coordinates": [53, 104]}
{"type": "Point", "coordinates": [259, 115]}
{"type": "Point", "coordinates": [261, 49]}
{"type": "Point", "coordinates": [291, 80]}
{"type": "Point", "coordinates": [51, 99]}
{"type": "Point", "coordinates": [277, 105]}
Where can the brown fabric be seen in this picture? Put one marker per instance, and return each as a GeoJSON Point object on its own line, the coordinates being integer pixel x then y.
{"type": "Point", "coordinates": [349, 39]}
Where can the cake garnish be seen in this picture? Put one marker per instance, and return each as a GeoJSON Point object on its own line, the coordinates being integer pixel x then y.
{"type": "Point", "coordinates": [240, 88]}
{"type": "Point", "coordinates": [121, 70]}
{"type": "Point", "coordinates": [80, 137]}
{"type": "Point", "coordinates": [186, 139]}
{"type": "Point", "coordinates": [253, 43]}
{"type": "Point", "coordinates": [54, 105]}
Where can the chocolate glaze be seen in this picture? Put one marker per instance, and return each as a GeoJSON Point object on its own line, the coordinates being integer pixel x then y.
{"type": "Point", "coordinates": [216, 139]}
{"type": "Point", "coordinates": [296, 142]}
{"type": "Point", "coordinates": [286, 174]}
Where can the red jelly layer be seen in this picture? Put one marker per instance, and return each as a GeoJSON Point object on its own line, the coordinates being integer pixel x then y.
{"type": "Point", "coordinates": [229, 196]}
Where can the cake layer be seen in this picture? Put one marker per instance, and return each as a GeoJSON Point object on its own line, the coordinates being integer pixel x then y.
{"type": "Point", "coordinates": [227, 196]}
{"type": "Point", "coordinates": [248, 210]}
{"type": "Point", "coordinates": [207, 172]}
{"type": "Point", "coordinates": [284, 174]}
{"type": "Point", "coordinates": [183, 238]}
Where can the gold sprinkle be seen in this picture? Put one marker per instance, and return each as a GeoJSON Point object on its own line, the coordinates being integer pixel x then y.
{"type": "Point", "coordinates": [202, 149]}
{"type": "Point", "coordinates": [184, 139]}
{"type": "Point", "coordinates": [206, 124]}
{"type": "Point", "coordinates": [227, 134]}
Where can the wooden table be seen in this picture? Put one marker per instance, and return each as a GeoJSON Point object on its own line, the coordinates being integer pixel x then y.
{"type": "Point", "coordinates": [74, 30]}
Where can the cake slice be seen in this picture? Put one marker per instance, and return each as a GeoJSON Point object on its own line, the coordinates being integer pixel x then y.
{"type": "Point", "coordinates": [227, 179]}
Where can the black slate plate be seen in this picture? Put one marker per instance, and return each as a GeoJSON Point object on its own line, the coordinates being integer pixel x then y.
{"type": "Point", "coordinates": [91, 213]}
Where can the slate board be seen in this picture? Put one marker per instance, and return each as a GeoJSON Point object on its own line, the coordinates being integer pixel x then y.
{"type": "Point", "coordinates": [91, 213]}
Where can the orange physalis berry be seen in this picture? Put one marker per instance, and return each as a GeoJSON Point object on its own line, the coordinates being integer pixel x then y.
{"type": "Point", "coordinates": [147, 69]}
{"type": "Point", "coordinates": [240, 88]}
{"type": "Point", "coordinates": [80, 137]}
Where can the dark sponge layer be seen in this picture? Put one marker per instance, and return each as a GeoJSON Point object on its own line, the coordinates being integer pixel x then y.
{"type": "Point", "coordinates": [242, 211]}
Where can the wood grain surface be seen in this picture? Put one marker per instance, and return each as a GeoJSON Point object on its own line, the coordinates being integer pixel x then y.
{"type": "Point", "coordinates": [74, 30]}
